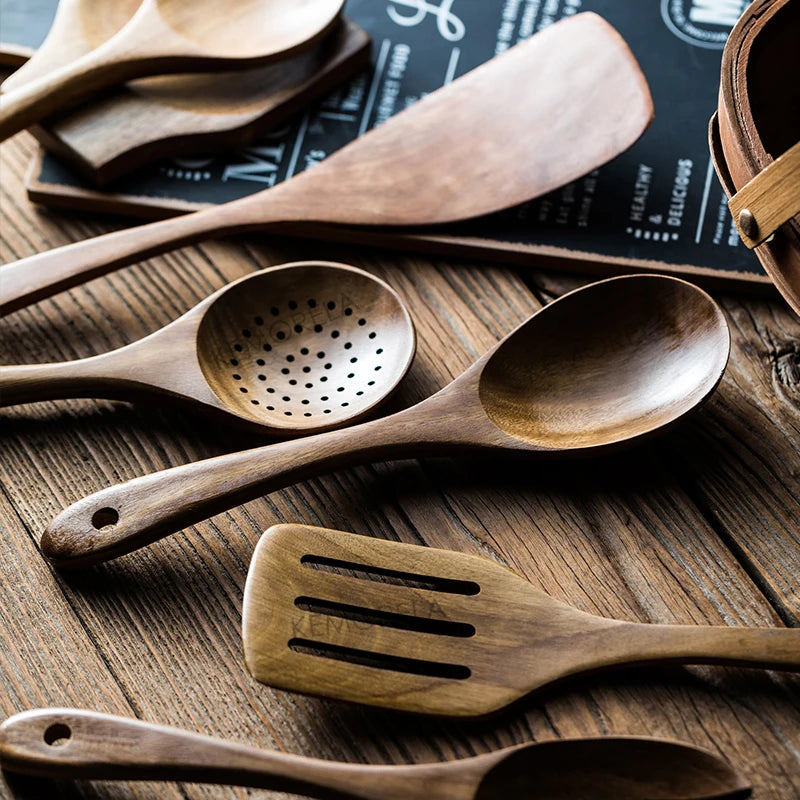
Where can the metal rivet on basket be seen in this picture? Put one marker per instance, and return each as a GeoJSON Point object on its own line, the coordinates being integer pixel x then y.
{"type": "Point", "coordinates": [747, 223]}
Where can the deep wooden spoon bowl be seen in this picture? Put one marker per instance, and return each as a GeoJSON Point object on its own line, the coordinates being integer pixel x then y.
{"type": "Point", "coordinates": [610, 364]}
{"type": "Point", "coordinates": [69, 743]}
{"type": "Point", "coordinates": [291, 349]}
{"type": "Point", "coordinates": [494, 406]}
{"type": "Point", "coordinates": [170, 36]}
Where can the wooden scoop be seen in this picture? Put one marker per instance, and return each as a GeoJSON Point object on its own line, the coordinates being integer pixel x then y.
{"type": "Point", "coordinates": [418, 629]}
{"type": "Point", "coordinates": [603, 365]}
{"type": "Point", "coordinates": [169, 36]}
{"type": "Point", "coordinates": [291, 349]}
{"type": "Point", "coordinates": [175, 115]}
{"type": "Point", "coordinates": [68, 743]}
{"type": "Point", "coordinates": [467, 149]}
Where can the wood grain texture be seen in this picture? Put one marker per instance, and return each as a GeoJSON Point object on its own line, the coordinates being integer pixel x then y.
{"type": "Point", "coordinates": [162, 38]}
{"type": "Point", "coordinates": [605, 366]}
{"type": "Point", "coordinates": [700, 527]}
{"type": "Point", "coordinates": [433, 631]}
{"type": "Point", "coordinates": [264, 352]}
{"type": "Point", "coordinates": [81, 744]}
{"type": "Point", "coordinates": [770, 199]}
{"type": "Point", "coordinates": [162, 117]}
{"type": "Point", "coordinates": [412, 170]}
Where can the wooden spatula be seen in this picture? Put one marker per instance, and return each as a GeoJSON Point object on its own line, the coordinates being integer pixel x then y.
{"type": "Point", "coordinates": [418, 629]}
{"type": "Point", "coordinates": [470, 148]}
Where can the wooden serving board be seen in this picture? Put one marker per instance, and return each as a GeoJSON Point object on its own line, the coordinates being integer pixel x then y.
{"type": "Point", "coordinates": [658, 207]}
{"type": "Point", "coordinates": [183, 115]}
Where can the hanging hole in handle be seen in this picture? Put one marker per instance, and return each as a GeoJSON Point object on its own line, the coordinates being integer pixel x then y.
{"type": "Point", "coordinates": [104, 517]}
{"type": "Point", "coordinates": [57, 734]}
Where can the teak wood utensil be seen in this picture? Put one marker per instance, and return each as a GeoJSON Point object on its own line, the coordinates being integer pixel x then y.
{"type": "Point", "coordinates": [755, 137]}
{"type": "Point", "coordinates": [70, 743]}
{"type": "Point", "coordinates": [173, 36]}
{"type": "Point", "coordinates": [171, 115]}
{"type": "Point", "coordinates": [438, 161]}
{"type": "Point", "coordinates": [76, 29]}
{"type": "Point", "coordinates": [437, 632]}
{"type": "Point", "coordinates": [603, 365]}
{"type": "Point", "coordinates": [291, 349]}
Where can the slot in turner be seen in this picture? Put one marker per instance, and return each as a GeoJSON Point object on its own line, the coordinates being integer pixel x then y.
{"type": "Point", "coordinates": [402, 626]}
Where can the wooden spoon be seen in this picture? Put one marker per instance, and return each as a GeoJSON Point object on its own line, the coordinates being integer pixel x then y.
{"type": "Point", "coordinates": [437, 161]}
{"type": "Point", "coordinates": [76, 30]}
{"type": "Point", "coordinates": [605, 364]}
{"type": "Point", "coordinates": [290, 349]}
{"type": "Point", "coordinates": [431, 631]}
{"type": "Point", "coordinates": [165, 116]}
{"type": "Point", "coordinates": [169, 36]}
{"type": "Point", "coordinates": [68, 743]}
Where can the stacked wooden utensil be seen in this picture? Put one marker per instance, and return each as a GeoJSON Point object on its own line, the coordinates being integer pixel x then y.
{"type": "Point", "coordinates": [313, 346]}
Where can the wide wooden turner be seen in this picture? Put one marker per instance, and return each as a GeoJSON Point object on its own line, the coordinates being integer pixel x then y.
{"type": "Point", "coordinates": [468, 149]}
{"type": "Point", "coordinates": [418, 629]}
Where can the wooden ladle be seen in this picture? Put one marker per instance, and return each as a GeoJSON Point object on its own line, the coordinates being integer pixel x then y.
{"type": "Point", "coordinates": [291, 349]}
{"type": "Point", "coordinates": [437, 632]}
{"type": "Point", "coordinates": [438, 161]}
{"type": "Point", "coordinates": [69, 743]}
{"type": "Point", "coordinates": [170, 36]}
{"type": "Point", "coordinates": [601, 366]}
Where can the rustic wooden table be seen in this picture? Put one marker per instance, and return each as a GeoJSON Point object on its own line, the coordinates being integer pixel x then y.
{"type": "Point", "coordinates": [700, 526]}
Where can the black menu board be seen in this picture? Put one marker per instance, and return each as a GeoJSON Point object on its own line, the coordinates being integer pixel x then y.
{"type": "Point", "coordinates": [658, 205]}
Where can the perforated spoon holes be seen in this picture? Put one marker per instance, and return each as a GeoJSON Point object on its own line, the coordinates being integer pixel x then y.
{"type": "Point", "coordinates": [306, 348]}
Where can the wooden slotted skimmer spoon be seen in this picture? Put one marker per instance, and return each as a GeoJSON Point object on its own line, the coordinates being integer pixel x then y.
{"type": "Point", "coordinates": [291, 349]}
{"type": "Point", "coordinates": [70, 743]}
{"type": "Point", "coordinates": [603, 365]}
{"type": "Point", "coordinates": [432, 631]}
{"type": "Point", "coordinates": [467, 149]}
{"type": "Point", "coordinates": [169, 36]}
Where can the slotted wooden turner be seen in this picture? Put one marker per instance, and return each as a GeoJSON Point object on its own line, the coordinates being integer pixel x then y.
{"type": "Point", "coordinates": [419, 629]}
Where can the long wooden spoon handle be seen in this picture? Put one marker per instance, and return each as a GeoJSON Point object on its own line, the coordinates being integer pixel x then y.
{"type": "Point", "coordinates": [69, 743]}
{"type": "Point", "coordinates": [32, 382]}
{"type": "Point", "coordinates": [127, 516]}
{"type": "Point", "coordinates": [770, 648]}
{"type": "Point", "coordinates": [34, 278]}
{"type": "Point", "coordinates": [57, 90]}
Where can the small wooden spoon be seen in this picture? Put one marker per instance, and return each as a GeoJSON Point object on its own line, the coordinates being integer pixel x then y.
{"type": "Point", "coordinates": [69, 743]}
{"type": "Point", "coordinates": [76, 30]}
{"type": "Point", "coordinates": [291, 349]}
{"type": "Point", "coordinates": [169, 36]}
{"type": "Point", "coordinates": [165, 116]}
{"type": "Point", "coordinates": [437, 161]}
{"type": "Point", "coordinates": [603, 365]}
{"type": "Point", "coordinates": [436, 632]}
